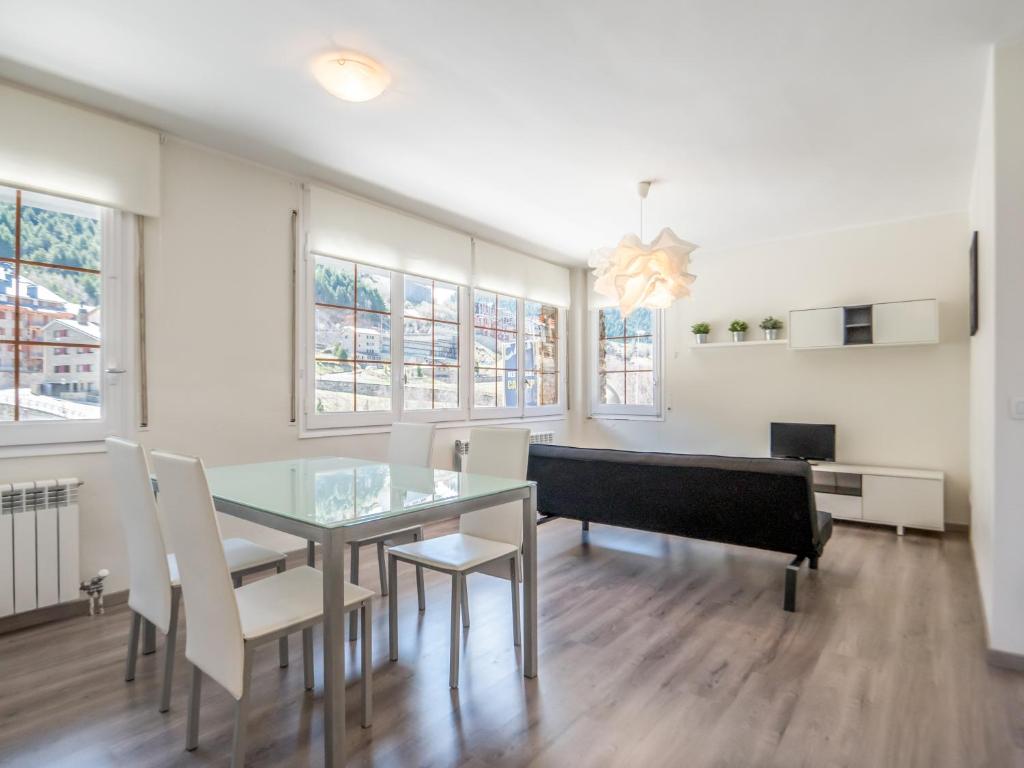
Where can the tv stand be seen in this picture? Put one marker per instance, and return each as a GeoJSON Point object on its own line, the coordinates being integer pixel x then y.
{"type": "Point", "coordinates": [904, 498]}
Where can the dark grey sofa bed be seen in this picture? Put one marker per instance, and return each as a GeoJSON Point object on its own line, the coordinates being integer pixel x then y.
{"type": "Point", "coordinates": [760, 503]}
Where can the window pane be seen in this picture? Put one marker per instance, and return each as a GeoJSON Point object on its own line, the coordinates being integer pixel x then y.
{"type": "Point", "coordinates": [446, 387]}
{"type": "Point", "coordinates": [446, 302]}
{"type": "Point", "coordinates": [610, 355]}
{"type": "Point", "coordinates": [334, 336]}
{"type": "Point", "coordinates": [485, 309]}
{"type": "Point", "coordinates": [373, 289]}
{"type": "Point", "coordinates": [7, 290]}
{"type": "Point", "coordinates": [549, 389]}
{"type": "Point", "coordinates": [50, 289]}
{"type": "Point", "coordinates": [373, 387]}
{"type": "Point", "coordinates": [508, 394]}
{"type": "Point", "coordinates": [507, 313]}
{"type": "Point", "coordinates": [531, 389]}
{"type": "Point", "coordinates": [610, 323]}
{"type": "Point", "coordinates": [531, 317]}
{"type": "Point", "coordinates": [417, 387]}
{"type": "Point", "coordinates": [640, 388]}
{"type": "Point", "coordinates": [508, 353]}
{"type": "Point", "coordinates": [373, 336]}
{"type": "Point", "coordinates": [418, 297]}
{"type": "Point", "coordinates": [446, 344]}
{"type": "Point", "coordinates": [549, 356]}
{"type": "Point", "coordinates": [417, 341]}
{"type": "Point", "coordinates": [640, 354]}
{"type": "Point", "coordinates": [335, 384]}
{"type": "Point", "coordinates": [485, 387]}
{"type": "Point", "coordinates": [334, 282]}
{"type": "Point", "coordinates": [57, 231]}
{"type": "Point", "coordinates": [6, 382]}
{"type": "Point", "coordinates": [7, 214]}
{"type": "Point", "coordinates": [484, 348]}
{"type": "Point", "coordinates": [640, 322]}
{"type": "Point", "coordinates": [59, 386]}
{"type": "Point", "coordinates": [612, 388]}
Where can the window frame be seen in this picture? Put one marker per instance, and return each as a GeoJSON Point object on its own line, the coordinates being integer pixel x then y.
{"type": "Point", "coordinates": [625, 411]}
{"type": "Point", "coordinates": [315, 424]}
{"type": "Point", "coordinates": [117, 269]}
{"type": "Point", "coordinates": [478, 412]}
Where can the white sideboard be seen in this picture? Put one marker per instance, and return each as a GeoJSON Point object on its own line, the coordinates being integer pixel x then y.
{"type": "Point", "coordinates": [871, 325]}
{"type": "Point", "coordinates": [904, 498]}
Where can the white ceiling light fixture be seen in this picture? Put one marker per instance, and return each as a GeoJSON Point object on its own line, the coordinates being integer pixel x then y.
{"type": "Point", "coordinates": [351, 76]}
{"type": "Point", "coordinates": [635, 274]}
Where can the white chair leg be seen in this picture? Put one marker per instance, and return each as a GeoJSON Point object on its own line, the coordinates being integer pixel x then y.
{"type": "Point", "coordinates": [133, 647]}
{"type": "Point", "coordinates": [170, 643]}
{"type": "Point", "coordinates": [307, 657]}
{"type": "Point", "coordinates": [453, 667]}
{"type": "Point", "coordinates": [516, 633]}
{"type": "Point", "coordinates": [393, 608]}
{"type": "Point", "coordinates": [367, 619]}
{"type": "Point", "coordinates": [353, 551]}
{"type": "Point", "coordinates": [282, 644]}
{"type": "Point", "coordinates": [465, 601]}
{"type": "Point", "coordinates": [242, 711]}
{"type": "Point", "coordinates": [382, 568]}
{"type": "Point", "coordinates": [192, 726]}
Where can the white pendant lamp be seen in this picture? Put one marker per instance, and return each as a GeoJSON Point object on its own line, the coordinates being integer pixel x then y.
{"type": "Point", "coordinates": [636, 274]}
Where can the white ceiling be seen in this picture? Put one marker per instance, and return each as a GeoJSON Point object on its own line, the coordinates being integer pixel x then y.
{"type": "Point", "coordinates": [535, 119]}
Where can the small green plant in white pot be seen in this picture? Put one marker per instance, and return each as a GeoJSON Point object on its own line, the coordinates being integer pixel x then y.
{"type": "Point", "coordinates": [738, 329]}
{"type": "Point", "coordinates": [771, 327]}
{"type": "Point", "coordinates": [700, 332]}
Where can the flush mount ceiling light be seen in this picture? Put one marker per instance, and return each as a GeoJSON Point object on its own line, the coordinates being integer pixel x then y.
{"type": "Point", "coordinates": [635, 274]}
{"type": "Point", "coordinates": [351, 76]}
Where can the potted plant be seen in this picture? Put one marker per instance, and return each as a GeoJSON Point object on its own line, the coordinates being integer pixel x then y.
{"type": "Point", "coordinates": [771, 326]}
{"type": "Point", "coordinates": [700, 332]}
{"type": "Point", "coordinates": [738, 328]}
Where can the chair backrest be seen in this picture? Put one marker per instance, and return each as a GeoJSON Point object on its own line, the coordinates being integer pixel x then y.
{"type": "Point", "coordinates": [214, 631]}
{"type": "Point", "coordinates": [501, 453]}
{"type": "Point", "coordinates": [411, 444]}
{"type": "Point", "coordinates": [149, 579]}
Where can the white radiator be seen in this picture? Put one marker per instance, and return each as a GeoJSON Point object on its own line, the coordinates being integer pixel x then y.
{"type": "Point", "coordinates": [38, 544]}
{"type": "Point", "coordinates": [462, 447]}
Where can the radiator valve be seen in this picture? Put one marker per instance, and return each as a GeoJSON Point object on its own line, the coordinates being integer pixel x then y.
{"type": "Point", "coordinates": [93, 589]}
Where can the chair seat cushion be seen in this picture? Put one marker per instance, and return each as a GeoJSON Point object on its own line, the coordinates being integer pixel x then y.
{"type": "Point", "coordinates": [241, 555]}
{"type": "Point", "coordinates": [455, 552]}
{"type": "Point", "coordinates": [285, 599]}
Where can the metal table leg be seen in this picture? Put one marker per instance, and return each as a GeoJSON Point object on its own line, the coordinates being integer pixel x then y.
{"type": "Point", "coordinates": [334, 644]}
{"type": "Point", "coordinates": [530, 583]}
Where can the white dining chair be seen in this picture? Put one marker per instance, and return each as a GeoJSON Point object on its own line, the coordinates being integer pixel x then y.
{"type": "Point", "coordinates": [225, 624]}
{"type": "Point", "coordinates": [410, 445]}
{"type": "Point", "coordinates": [154, 586]}
{"type": "Point", "coordinates": [486, 539]}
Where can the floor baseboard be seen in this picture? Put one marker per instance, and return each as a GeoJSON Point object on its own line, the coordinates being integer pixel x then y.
{"type": "Point", "coordinates": [58, 612]}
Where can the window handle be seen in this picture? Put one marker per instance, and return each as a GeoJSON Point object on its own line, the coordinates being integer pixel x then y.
{"type": "Point", "coordinates": [115, 370]}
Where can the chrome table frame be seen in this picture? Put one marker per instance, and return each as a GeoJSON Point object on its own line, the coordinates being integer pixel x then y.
{"type": "Point", "coordinates": [333, 541]}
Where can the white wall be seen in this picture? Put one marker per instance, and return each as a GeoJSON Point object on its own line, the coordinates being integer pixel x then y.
{"type": "Point", "coordinates": [218, 277]}
{"type": "Point", "coordinates": [1006, 620]}
{"type": "Point", "coordinates": [899, 406]}
{"type": "Point", "coordinates": [983, 354]}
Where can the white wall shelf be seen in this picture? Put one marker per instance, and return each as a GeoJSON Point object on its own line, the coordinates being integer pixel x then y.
{"type": "Point", "coordinates": [751, 343]}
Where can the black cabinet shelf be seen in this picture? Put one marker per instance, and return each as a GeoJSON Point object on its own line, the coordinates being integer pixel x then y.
{"type": "Point", "coordinates": [857, 325]}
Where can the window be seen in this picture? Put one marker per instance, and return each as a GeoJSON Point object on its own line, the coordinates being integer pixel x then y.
{"type": "Point", "coordinates": [59, 262]}
{"type": "Point", "coordinates": [430, 345]}
{"type": "Point", "coordinates": [627, 352]}
{"type": "Point", "coordinates": [541, 355]}
{"type": "Point", "coordinates": [353, 337]}
{"type": "Point", "coordinates": [495, 351]}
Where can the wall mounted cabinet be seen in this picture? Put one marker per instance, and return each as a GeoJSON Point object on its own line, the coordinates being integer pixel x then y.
{"type": "Point", "coordinates": [865, 325]}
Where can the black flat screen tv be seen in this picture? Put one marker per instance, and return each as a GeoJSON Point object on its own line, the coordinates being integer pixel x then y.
{"type": "Point", "coordinates": [813, 442]}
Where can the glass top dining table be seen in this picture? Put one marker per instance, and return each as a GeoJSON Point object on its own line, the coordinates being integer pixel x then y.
{"type": "Point", "coordinates": [334, 500]}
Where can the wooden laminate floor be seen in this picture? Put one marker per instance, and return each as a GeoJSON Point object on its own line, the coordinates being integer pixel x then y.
{"type": "Point", "coordinates": [654, 651]}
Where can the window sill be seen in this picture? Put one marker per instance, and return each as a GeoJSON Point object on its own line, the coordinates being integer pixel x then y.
{"type": "Point", "coordinates": [307, 433]}
{"type": "Point", "coordinates": [626, 417]}
{"type": "Point", "coordinates": [51, 449]}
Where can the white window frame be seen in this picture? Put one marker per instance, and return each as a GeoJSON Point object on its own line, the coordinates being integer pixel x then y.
{"type": "Point", "coordinates": [558, 408]}
{"type": "Point", "coordinates": [314, 421]}
{"type": "Point", "coordinates": [600, 410]}
{"type": "Point", "coordinates": [117, 269]}
{"type": "Point", "coordinates": [478, 412]}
